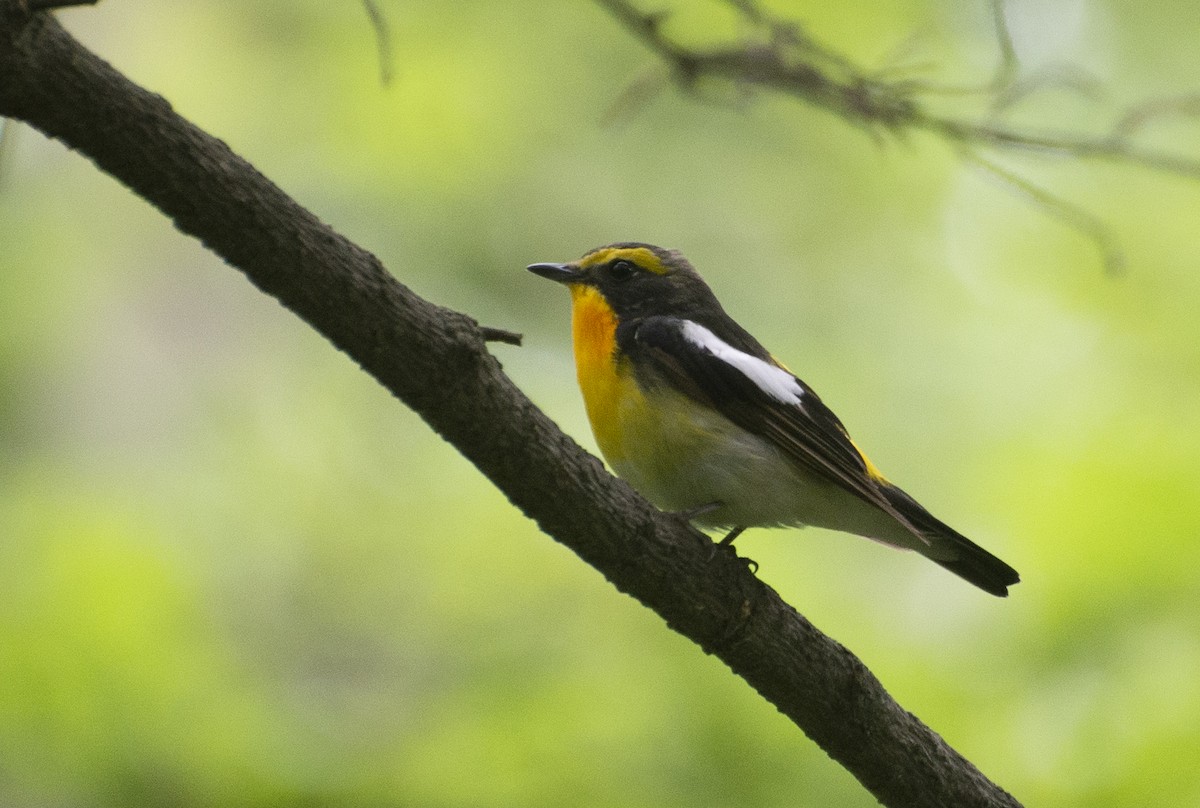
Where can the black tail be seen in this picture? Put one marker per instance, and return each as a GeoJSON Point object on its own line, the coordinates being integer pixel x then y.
{"type": "Point", "coordinates": [977, 565]}
{"type": "Point", "coordinates": [952, 550]}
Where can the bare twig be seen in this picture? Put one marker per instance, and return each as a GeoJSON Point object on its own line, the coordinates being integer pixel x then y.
{"type": "Point", "coordinates": [490, 334]}
{"type": "Point", "coordinates": [1077, 218]}
{"type": "Point", "coordinates": [1138, 117]}
{"type": "Point", "coordinates": [1113, 149]}
{"type": "Point", "coordinates": [383, 40]}
{"type": "Point", "coordinates": [789, 61]}
{"type": "Point", "coordinates": [1006, 70]}
{"type": "Point", "coordinates": [637, 94]}
{"type": "Point", "coordinates": [1071, 78]}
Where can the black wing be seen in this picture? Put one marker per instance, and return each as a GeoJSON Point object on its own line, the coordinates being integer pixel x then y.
{"type": "Point", "coordinates": [807, 431]}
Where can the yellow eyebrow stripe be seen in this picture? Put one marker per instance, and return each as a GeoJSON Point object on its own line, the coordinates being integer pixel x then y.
{"type": "Point", "coordinates": [644, 258]}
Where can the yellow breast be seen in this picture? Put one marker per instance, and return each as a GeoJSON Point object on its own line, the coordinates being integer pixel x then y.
{"type": "Point", "coordinates": [678, 453]}
{"type": "Point", "coordinates": [608, 390]}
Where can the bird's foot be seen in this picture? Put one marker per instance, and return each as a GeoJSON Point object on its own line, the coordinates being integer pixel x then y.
{"type": "Point", "coordinates": [731, 535]}
{"type": "Point", "coordinates": [726, 544]}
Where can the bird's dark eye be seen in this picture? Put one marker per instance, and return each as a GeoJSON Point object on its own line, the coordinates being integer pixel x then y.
{"type": "Point", "coordinates": [622, 270]}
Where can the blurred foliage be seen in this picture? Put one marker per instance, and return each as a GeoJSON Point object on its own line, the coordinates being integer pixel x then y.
{"type": "Point", "coordinates": [233, 571]}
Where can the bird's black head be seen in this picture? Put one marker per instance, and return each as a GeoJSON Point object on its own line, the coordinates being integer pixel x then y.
{"type": "Point", "coordinates": [638, 280]}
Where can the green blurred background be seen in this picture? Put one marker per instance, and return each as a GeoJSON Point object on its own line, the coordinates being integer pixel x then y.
{"type": "Point", "coordinates": [234, 571]}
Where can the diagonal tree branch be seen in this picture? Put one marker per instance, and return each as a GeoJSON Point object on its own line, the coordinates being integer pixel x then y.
{"type": "Point", "coordinates": [436, 361]}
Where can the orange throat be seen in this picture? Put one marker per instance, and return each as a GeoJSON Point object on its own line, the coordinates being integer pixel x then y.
{"type": "Point", "coordinates": [594, 333]}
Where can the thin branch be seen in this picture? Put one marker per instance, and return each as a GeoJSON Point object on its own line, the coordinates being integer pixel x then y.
{"type": "Point", "coordinates": [1006, 69]}
{"type": "Point", "coordinates": [1114, 149]}
{"type": "Point", "coordinates": [893, 106]}
{"type": "Point", "coordinates": [383, 40]}
{"type": "Point", "coordinates": [791, 62]}
{"type": "Point", "coordinates": [1142, 115]}
{"type": "Point", "coordinates": [1071, 78]}
{"type": "Point", "coordinates": [490, 334]}
{"type": "Point", "coordinates": [636, 95]}
{"type": "Point", "coordinates": [1073, 216]}
{"type": "Point", "coordinates": [435, 360]}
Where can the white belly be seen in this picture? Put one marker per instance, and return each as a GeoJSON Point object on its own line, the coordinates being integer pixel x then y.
{"type": "Point", "coordinates": [682, 457]}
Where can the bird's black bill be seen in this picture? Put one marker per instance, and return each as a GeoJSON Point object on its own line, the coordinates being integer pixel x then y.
{"type": "Point", "coordinates": [563, 273]}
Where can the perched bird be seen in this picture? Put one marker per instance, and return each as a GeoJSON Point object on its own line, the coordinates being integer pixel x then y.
{"type": "Point", "coordinates": [693, 412]}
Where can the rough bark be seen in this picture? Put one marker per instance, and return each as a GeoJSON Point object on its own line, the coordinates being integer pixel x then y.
{"type": "Point", "coordinates": [436, 361]}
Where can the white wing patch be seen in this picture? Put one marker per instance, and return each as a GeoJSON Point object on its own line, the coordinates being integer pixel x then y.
{"type": "Point", "coordinates": [775, 382]}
